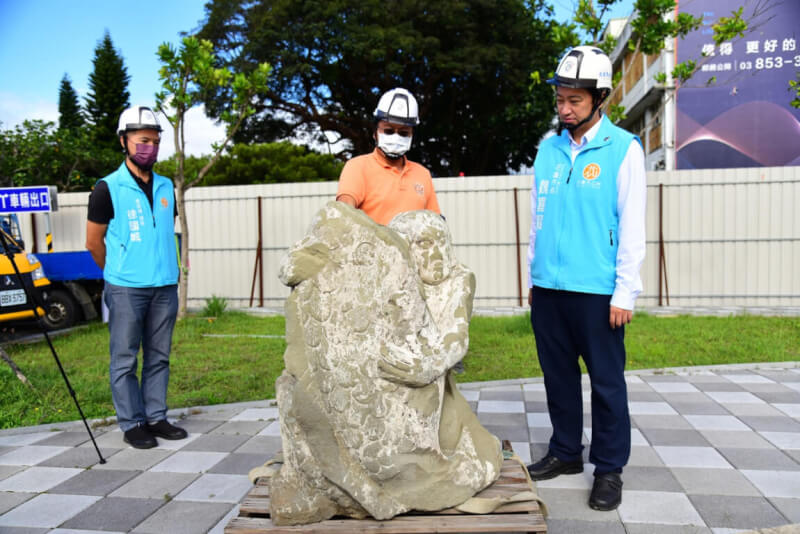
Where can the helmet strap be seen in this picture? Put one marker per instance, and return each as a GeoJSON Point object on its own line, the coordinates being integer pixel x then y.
{"type": "Point", "coordinates": [572, 127]}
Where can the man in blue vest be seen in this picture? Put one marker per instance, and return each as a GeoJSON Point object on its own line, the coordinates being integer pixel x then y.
{"type": "Point", "coordinates": [131, 236]}
{"type": "Point", "coordinates": [587, 245]}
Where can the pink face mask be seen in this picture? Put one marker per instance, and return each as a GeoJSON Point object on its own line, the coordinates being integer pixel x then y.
{"type": "Point", "coordinates": [146, 156]}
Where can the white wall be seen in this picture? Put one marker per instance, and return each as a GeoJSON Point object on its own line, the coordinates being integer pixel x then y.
{"type": "Point", "coordinates": [732, 237]}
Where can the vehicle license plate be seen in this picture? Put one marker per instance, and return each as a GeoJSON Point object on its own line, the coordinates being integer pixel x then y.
{"type": "Point", "coordinates": [12, 297]}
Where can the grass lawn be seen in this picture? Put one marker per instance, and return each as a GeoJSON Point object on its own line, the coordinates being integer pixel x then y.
{"type": "Point", "coordinates": [209, 370]}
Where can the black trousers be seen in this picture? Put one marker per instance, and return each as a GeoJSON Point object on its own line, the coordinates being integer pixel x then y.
{"type": "Point", "coordinates": [567, 326]}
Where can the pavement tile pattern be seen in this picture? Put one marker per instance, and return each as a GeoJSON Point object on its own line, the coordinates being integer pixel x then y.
{"type": "Point", "coordinates": [714, 451]}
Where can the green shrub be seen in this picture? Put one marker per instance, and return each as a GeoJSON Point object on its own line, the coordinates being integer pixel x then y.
{"type": "Point", "coordinates": [215, 306]}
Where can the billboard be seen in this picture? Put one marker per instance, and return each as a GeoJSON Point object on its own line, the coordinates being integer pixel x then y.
{"type": "Point", "coordinates": [735, 111]}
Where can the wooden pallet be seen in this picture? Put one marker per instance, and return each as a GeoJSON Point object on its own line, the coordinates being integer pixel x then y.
{"type": "Point", "coordinates": [513, 517]}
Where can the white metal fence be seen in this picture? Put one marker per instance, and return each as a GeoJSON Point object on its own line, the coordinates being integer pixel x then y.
{"type": "Point", "coordinates": [730, 237]}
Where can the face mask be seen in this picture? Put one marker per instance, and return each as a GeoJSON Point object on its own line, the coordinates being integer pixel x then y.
{"type": "Point", "coordinates": [394, 146]}
{"type": "Point", "coordinates": [146, 156]}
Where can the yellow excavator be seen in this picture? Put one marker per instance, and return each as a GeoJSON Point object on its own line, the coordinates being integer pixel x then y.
{"type": "Point", "coordinates": [14, 305]}
{"type": "Point", "coordinates": [68, 285]}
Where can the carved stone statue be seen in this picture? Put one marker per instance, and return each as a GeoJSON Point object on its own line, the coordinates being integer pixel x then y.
{"type": "Point", "coordinates": [371, 421]}
{"type": "Point", "coordinates": [448, 287]}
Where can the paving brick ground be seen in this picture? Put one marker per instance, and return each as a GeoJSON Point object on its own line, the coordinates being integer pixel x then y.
{"type": "Point", "coordinates": [715, 450]}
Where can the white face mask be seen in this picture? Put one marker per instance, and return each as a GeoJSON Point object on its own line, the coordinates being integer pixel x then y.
{"type": "Point", "coordinates": [393, 145]}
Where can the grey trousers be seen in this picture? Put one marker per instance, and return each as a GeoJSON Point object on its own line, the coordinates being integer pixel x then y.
{"type": "Point", "coordinates": [140, 317]}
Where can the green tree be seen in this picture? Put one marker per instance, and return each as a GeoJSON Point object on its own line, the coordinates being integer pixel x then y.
{"type": "Point", "coordinates": [25, 151]}
{"type": "Point", "coordinates": [467, 62]}
{"type": "Point", "coordinates": [36, 153]}
{"type": "Point", "coordinates": [653, 24]}
{"type": "Point", "coordinates": [108, 93]}
{"type": "Point", "coordinates": [191, 166]}
{"type": "Point", "coordinates": [262, 163]}
{"type": "Point", "coordinates": [273, 163]}
{"type": "Point", "coordinates": [794, 88]}
{"type": "Point", "coordinates": [186, 74]}
{"type": "Point", "coordinates": [69, 109]}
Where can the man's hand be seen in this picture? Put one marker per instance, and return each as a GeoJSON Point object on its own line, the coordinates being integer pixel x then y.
{"type": "Point", "coordinates": [95, 242]}
{"type": "Point", "coordinates": [530, 297]}
{"type": "Point", "coordinates": [618, 317]}
{"type": "Point", "coordinates": [399, 365]}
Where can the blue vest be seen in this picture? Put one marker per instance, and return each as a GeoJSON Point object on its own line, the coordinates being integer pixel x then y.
{"type": "Point", "coordinates": [576, 213]}
{"type": "Point", "coordinates": [140, 241]}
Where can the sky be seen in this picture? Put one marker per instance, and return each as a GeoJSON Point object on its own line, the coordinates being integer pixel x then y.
{"type": "Point", "coordinates": [41, 40]}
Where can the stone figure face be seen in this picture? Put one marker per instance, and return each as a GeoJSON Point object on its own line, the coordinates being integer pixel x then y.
{"type": "Point", "coordinates": [432, 255]}
{"type": "Point", "coordinates": [429, 244]}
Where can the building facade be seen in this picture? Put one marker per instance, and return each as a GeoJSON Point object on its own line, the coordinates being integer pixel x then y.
{"type": "Point", "coordinates": [736, 109]}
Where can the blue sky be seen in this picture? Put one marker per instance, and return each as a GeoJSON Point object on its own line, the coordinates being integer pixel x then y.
{"type": "Point", "coordinates": [41, 40]}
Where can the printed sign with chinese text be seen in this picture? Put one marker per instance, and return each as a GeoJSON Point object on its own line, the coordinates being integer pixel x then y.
{"type": "Point", "coordinates": [31, 199]}
{"type": "Point", "coordinates": [735, 111]}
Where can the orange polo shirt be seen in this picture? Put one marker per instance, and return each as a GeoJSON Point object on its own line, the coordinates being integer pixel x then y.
{"type": "Point", "coordinates": [381, 191]}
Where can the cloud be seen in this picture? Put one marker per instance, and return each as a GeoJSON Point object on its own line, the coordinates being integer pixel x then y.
{"type": "Point", "coordinates": [200, 132]}
{"type": "Point", "coordinates": [14, 109]}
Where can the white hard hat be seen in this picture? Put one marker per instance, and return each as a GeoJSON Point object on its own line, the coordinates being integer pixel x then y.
{"type": "Point", "coordinates": [583, 67]}
{"type": "Point", "coordinates": [398, 105]}
{"type": "Point", "coordinates": [138, 118]}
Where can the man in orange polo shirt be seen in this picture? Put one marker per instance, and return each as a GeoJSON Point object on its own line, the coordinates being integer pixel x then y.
{"type": "Point", "coordinates": [385, 183]}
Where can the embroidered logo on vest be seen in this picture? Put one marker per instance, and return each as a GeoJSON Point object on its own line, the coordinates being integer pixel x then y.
{"type": "Point", "coordinates": [164, 202]}
{"type": "Point", "coordinates": [591, 171]}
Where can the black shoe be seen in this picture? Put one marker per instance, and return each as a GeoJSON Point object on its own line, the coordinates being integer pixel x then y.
{"type": "Point", "coordinates": [606, 492]}
{"type": "Point", "coordinates": [139, 438]}
{"type": "Point", "coordinates": [550, 467]}
{"type": "Point", "coordinates": [163, 429]}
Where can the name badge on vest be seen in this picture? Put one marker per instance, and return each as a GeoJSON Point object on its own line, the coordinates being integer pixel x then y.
{"type": "Point", "coordinates": [557, 177]}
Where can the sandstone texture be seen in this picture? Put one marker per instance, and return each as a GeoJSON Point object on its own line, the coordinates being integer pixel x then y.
{"type": "Point", "coordinates": [371, 421]}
